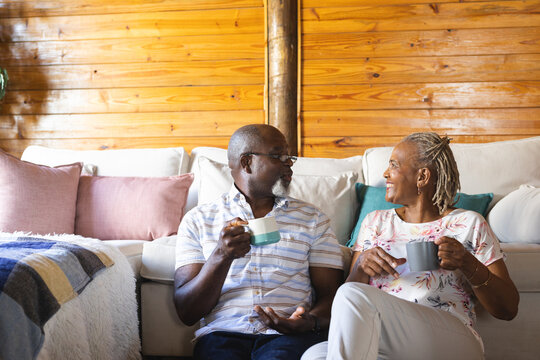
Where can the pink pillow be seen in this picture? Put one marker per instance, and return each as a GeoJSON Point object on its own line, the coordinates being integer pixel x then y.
{"type": "Point", "coordinates": [37, 198]}
{"type": "Point", "coordinates": [130, 208]}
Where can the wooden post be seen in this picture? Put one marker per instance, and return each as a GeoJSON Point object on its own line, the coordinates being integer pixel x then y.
{"type": "Point", "coordinates": [282, 30]}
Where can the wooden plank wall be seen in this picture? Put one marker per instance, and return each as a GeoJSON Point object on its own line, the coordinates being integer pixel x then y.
{"type": "Point", "coordinates": [372, 74]}
{"type": "Point", "coordinates": [103, 74]}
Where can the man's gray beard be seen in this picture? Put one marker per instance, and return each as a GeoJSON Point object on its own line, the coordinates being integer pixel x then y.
{"type": "Point", "coordinates": [279, 188]}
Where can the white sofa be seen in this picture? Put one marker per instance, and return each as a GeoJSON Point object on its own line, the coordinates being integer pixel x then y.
{"type": "Point", "coordinates": [499, 168]}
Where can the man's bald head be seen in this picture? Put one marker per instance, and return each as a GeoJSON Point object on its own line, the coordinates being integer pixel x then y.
{"type": "Point", "coordinates": [246, 139]}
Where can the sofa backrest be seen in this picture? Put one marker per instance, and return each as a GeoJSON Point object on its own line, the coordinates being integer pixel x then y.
{"type": "Point", "coordinates": [122, 162]}
{"type": "Point", "coordinates": [498, 167]}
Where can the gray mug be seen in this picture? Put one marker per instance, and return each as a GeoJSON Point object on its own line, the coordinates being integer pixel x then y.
{"type": "Point", "coordinates": [422, 255]}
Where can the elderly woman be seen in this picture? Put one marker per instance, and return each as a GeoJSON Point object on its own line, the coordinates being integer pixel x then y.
{"type": "Point", "coordinates": [386, 311]}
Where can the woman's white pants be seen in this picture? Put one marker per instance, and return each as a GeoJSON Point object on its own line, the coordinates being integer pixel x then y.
{"type": "Point", "coordinates": [368, 323]}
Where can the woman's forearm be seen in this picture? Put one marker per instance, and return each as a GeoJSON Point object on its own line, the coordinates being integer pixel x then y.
{"type": "Point", "coordinates": [494, 289]}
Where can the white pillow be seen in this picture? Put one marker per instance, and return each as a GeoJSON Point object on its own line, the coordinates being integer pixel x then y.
{"type": "Point", "coordinates": [516, 217]}
{"type": "Point", "coordinates": [124, 162]}
{"type": "Point", "coordinates": [334, 195]}
{"type": "Point", "coordinates": [303, 166]}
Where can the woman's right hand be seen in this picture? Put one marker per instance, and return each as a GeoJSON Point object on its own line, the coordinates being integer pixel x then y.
{"type": "Point", "coordinates": [376, 262]}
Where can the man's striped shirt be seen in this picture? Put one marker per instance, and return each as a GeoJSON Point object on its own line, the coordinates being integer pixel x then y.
{"type": "Point", "coordinates": [275, 275]}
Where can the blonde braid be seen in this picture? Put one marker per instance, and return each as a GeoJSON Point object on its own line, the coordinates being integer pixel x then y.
{"type": "Point", "coordinates": [434, 152]}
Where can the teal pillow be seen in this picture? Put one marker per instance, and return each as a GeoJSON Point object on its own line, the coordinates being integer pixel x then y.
{"type": "Point", "coordinates": [371, 198]}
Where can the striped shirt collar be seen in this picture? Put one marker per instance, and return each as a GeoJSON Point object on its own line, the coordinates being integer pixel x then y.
{"type": "Point", "coordinates": [236, 195]}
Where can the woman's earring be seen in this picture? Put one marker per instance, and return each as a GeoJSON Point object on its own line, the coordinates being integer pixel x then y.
{"type": "Point", "coordinates": [419, 192]}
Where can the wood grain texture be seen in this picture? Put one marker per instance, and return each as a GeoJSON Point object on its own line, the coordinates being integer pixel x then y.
{"type": "Point", "coordinates": [191, 73]}
{"type": "Point", "coordinates": [127, 50]}
{"type": "Point", "coordinates": [25, 8]}
{"type": "Point", "coordinates": [16, 147]}
{"type": "Point", "coordinates": [343, 147]}
{"type": "Point", "coordinates": [148, 99]}
{"type": "Point", "coordinates": [354, 3]}
{"type": "Point", "coordinates": [133, 25]}
{"type": "Point", "coordinates": [518, 40]}
{"type": "Point", "coordinates": [122, 125]}
{"type": "Point", "coordinates": [422, 69]}
{"type": "Point", "coordinates": [481, 122]}
{"type": "Point", "coordinates": [422, 96]}
{"type": "Point", "coordinates": [421, 16]}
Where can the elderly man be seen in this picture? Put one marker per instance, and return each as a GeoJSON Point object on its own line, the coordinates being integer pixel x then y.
{"type": "Point", "coordinates": [256, 302]}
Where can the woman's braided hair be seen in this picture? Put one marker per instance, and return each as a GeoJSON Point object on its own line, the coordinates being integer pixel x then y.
{"type": "Point", "coordinates": [434, 153]}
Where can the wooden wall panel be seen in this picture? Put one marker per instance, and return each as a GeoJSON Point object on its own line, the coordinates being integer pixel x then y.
{"type": "Point", "coordinates": [444, 42]}
{"type": "Point", "coordinates": [433, 69]}
{"type": "Point", "coordinates": [139, 50]}
{"type": "Point", "coordinates": [132, 25]}
{"type": "Point", "coordinates": [94, 74]}
{"type": "Point", "coordinates": [20, 8]}
{"type": "Point", "coordinates": [372, 74]}
{"type": "Point", "coordinates": [414, 16]}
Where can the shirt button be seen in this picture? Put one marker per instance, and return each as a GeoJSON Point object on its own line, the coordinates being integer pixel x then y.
{"type": "Point", "coordinates": [255, 268]}
{"type": "Point", "coordinates": [257, 292]}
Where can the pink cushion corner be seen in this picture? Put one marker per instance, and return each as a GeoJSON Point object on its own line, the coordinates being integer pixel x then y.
{"type": "Point", "coordinates": [37, 198]}
{"type": "Point", "coordinates": [130, 208]}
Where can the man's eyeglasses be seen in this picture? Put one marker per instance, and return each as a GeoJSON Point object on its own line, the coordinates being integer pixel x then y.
{"type": "Point", "coordinates": [282, 158]}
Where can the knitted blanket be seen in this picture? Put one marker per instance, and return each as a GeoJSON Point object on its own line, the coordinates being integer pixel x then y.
{"type": "Point", "coordinates": [37, 276]}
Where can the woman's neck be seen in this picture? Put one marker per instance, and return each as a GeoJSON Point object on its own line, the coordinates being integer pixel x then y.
{"type": "Point", "coordinates": [421, 212]}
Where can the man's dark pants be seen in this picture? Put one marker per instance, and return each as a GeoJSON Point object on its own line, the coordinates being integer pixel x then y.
{"type": "Point", "coordinates": [236, 346]}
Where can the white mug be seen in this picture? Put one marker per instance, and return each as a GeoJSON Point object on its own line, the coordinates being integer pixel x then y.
{"type": "Point", "coordinates": [263, 231]}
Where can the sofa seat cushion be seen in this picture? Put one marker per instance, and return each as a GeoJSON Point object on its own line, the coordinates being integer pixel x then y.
{"type": "Point", "coordinates": [132, 250]}
{"type": "Point", "coordinates": [158, 259]}
{"type": "Point", "coordinates": [523, 263]}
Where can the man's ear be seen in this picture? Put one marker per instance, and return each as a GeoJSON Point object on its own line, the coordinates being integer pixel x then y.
{"type": "Point", "coordinates": [245, 163]}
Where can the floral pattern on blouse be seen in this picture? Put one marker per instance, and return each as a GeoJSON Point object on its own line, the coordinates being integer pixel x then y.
{"type": "Point", "coordinates": [441, 289]}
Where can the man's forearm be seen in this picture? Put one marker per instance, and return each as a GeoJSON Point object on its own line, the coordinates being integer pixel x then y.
{"type": "Point", "coordinates": [197, 297]}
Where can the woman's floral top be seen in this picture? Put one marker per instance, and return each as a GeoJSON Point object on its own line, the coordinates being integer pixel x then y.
{"type": "Point", "coordinates": [442, 289]}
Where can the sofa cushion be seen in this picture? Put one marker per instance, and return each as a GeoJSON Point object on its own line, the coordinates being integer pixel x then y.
{"type": "Point", "coordinates": [303, 166]}
{"type": "Point", "coordinates": [334, 195]}
{"type": "Point", "coordinates": [37, 198]}
{"type": "Point", "coordinates": [158, 260]}
{"type": "Point", "coordinates": [371, 198]}
{"type": "Point", "coordinates": [516, 217]}
{"type": "Point", "coordinates": [515, 158]}
{"type": "Point", "coordinates": [523, 263]}
{"type": "Point", "coordinates": [132, 250]}
{"type": "Point", "coordinates": [123, 162]}
{"type": "Point", "coordinates": [132, 208]}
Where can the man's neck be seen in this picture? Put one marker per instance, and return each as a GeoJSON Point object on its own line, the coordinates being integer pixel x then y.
{"type": "Point", "coordinates": [260, 206]}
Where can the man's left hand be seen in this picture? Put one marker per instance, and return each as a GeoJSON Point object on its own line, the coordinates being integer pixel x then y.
{"type": "Point", "coordinates": [300, 321]}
